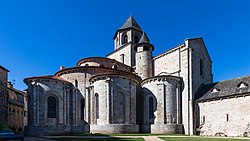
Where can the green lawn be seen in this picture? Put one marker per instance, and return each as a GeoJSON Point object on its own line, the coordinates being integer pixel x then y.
{"type": "Point", "coordinates": [200, 139]}
{"type": "Point", "coordinates": [103, 139]}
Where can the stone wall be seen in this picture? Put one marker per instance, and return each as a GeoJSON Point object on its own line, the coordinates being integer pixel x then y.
{"type": "Point", "coordinates": [226, 115]}
{"type": "Point", "coordinates": [67, 105]}
{"type": "Point", "coordinates": [16, 109]}
{"type": "Point", "coordinates": [165, 92]}
{"type": "Point", "coordinates": [176, 62]}
{"type": "Point", "coordinates": [3, 93]}
{"type": "Point", "coordinates": [184, 61]}
{"type": "Point", "coordinates": [127, 51]}
{"type": "Point", "coordinates": [113, 102]}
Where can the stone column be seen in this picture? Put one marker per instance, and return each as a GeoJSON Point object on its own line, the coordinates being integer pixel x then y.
{"type": "Point", "coordinates": [34, 104]}
{"type": "Point", "coordinates": [109, 102]}
{"type": "Point", "coordinates": [37, 104]}
{"type": "Point", "coordinates": [160, 114]}
{"type": "Point", "coordinates": [178, 103]}
{"type": "Point", "coordinates": [67, 107]}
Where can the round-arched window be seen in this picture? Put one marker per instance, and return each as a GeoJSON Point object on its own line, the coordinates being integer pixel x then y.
{"type": "Point", "coordinates": [51, 109]}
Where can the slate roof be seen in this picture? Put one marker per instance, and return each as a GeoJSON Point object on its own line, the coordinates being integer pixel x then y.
{"type": "Point", "coordinates": [228, 88]}
{"type": "Point", "coordinates": [131, 23]}
{"type": "Point", "coordinates": [144, 38]}
{"type": "Point", "coordinates": [4, 68]}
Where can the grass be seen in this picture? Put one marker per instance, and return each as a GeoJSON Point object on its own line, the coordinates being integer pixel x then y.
{"type": "Point", "coordinates": [200, 139]}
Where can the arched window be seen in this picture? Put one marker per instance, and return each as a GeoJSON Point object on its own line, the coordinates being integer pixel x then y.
{"type": "Point", "coordinates": [136, 38]}
{"type": "Point", "coordinates": [82, 109]}
{"type": "Point", "coordinates": [125, 39]}
{"type": "Point", "coordinates": [97, 105]}
{"type": "Point", "coordinates": [151, 111]}
{"type": "Point", "coordinates": [201, 67]}
{"type": "Point", "coordinates": [51, 113]}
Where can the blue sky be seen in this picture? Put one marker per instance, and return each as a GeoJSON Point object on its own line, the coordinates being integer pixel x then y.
{"type": "Point", "coordinates": [38, 36]}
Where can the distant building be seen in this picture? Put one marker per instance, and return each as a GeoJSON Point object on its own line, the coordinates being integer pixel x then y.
{"type": "Point", "coordinates": [17, 112]}
{"type": "Point", "coordinates": [132, 91]}
{"type": "Point", "coordinates": [3, 93]}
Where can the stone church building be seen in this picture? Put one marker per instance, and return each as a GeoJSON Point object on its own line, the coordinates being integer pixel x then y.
{"type": "Point", "coordinates": [132, 91]}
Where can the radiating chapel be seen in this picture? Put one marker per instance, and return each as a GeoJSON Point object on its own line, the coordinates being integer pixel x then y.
{"type": "Point", "coordinates": [132, 91]}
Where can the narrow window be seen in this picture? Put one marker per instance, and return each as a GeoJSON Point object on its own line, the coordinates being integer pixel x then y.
{"type": "Point", "coordinates": [51, 113]}
{"type": "Point", "coordinates": [122, 58]}
{"type": "Point", "coordinates": [151, 111]}
{"type": "Point", "coordinates": [76, 83]}
{"type": "Point", "coordinates": [203, 119]}
{"type": "Point", "coordinates": [82, 109]}
{"type": "Point", "coordinates": [97, 105]}
{"type": "Point", "coordinates": [136, 38]}
{"type": "Point", "coordinates": [201, 67]}
{"type": "Point", "coordinates": [125, 39]}
{"type": "Point", "coordinates": [227, 117]}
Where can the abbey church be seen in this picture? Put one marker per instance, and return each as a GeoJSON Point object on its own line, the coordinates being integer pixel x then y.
{"type": "Point", "coordinates": [132, 91]}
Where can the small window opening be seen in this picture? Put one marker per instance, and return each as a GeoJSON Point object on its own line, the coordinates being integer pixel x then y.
{"type": "Point", "coordinates": [97, 105]}
{"type": "Point", "coordinates": [227, 117]}
{"type": "Point", "coordinates": [125, 39]}
{"type": "Point", "coordinates": [122, 58]}
{"type": "Point", "coordinates": [114, 67]}
{"type": "Point", "coordinates": [82, 109]}
{"type": "Point", "coordinates": [151, 111]}
{"type": "Point", "coordinates": [136, 38]}
{"type": "Point", "coordinates": [203, 120]}
{"type": "Point", "coordinates": [76, 83]}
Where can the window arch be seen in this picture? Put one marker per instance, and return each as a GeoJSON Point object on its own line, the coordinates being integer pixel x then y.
{"type": "Point", "coordinates": [125, 39]}
{"type": "Point", "coordinates": [136, 39]}
{"type": "Point", "coordinates": [97, 105]}
{"type": "Point", "coordinates": [51, 109]}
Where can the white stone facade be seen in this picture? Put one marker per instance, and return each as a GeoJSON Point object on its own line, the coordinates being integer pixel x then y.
{"type": "Point", "coordinates": [132, 91]}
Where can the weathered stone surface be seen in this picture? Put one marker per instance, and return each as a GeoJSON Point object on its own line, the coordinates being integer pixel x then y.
{"type": "Point", "coordinates": [127, 90]}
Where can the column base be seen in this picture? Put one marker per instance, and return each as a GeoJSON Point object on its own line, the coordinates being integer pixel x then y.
{"type": "Point", "coordinates": [166, 128]}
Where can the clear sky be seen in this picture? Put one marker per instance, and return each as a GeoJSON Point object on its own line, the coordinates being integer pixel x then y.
{"type": "Point", "coordinates": [38, 36]}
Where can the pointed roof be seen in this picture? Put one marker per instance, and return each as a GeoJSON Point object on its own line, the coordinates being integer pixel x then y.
{"type": "Point", "coordinates": [144, 38]}
{"type": "Point", "coordinates": [144, 41]}
{"type": "Point", "coordinates": [131, 23]}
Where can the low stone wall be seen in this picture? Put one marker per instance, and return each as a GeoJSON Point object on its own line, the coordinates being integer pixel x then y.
{"type": "Point", "coordinates": [166, 128]}
{"type": "Point", "coordinates": [114, 128]}
{"type": "Point", "coordinates": [46, 130]}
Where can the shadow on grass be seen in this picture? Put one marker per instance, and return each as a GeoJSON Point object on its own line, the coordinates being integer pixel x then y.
{"type": "Point", "coordinates": [98, 139]}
